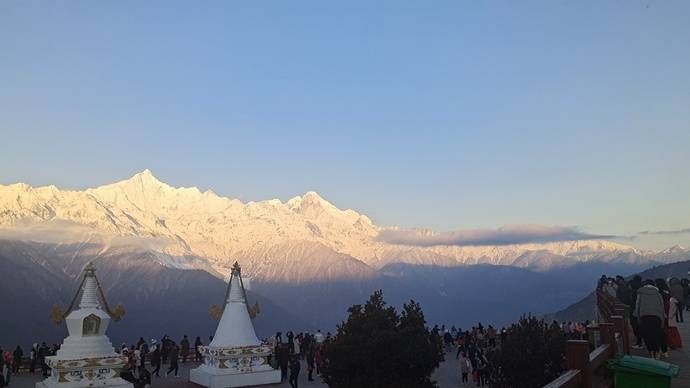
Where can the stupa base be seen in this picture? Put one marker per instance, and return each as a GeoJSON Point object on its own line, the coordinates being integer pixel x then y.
{"type": "Point", "coordinates": [101, 371]}
{"type": "Point", "coordinates": [110, 383]}
{"type": "Point", "coordinates": [216, 378]}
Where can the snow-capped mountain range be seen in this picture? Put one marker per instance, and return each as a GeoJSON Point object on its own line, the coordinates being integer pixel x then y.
{"type": "Point", "coordinates": [308, 260]}
{"type": "Point", "coordinates": [188, 228]}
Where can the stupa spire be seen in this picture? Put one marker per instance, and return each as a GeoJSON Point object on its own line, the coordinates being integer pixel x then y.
{"type": "Point", "coordinates": [237, 292]}
{"type": "Point", "coordinates": [89, 295]}
{"type": "Point", "coordinates": [91, 291]}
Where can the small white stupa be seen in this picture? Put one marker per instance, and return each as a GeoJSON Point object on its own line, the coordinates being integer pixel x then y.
{"type": "Point", "coordinates": [86, 357]}
{"type": "Point", "coordinates": [235, 357]}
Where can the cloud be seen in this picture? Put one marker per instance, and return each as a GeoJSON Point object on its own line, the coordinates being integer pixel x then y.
{"type": "Point", "coordinates": [68, 232]}
{"type": "Point", "coordinates": [666, 232]}
{"type": "Point", "coordinates": [505, 235]}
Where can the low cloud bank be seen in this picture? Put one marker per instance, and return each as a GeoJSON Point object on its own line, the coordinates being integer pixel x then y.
{"type": "Point", "coordinates": [666, 232]}
{"type": "Point", "coordinates": [505, 235]}
{"type": "Point", "coordinates": [67, 232]}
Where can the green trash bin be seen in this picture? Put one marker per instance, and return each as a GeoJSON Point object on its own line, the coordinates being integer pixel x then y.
{"type": "Point", "coordinates": [642, 372]}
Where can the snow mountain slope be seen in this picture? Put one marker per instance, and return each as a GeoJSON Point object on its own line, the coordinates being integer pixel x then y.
{"type": "Point", "coordinates": [188, 228]}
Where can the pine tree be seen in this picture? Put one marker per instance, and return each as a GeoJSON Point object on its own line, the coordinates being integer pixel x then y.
{"type": "Point", "coordinates": [532, 355]}
{"type": "Point", "coordinates": [376, 347]}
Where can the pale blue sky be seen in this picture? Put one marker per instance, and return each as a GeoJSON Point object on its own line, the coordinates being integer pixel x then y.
{"type": "Point", "coordinates": [446, 115]}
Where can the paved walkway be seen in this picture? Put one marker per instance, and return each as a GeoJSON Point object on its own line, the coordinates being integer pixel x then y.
{"type": "Point", "coordinates": [446, 375]}
{"type": "Point", "coordinates": [680, 357]}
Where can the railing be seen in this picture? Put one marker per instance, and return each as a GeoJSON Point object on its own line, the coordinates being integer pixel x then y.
{"type": "Point", "coordinates": [613, 333]}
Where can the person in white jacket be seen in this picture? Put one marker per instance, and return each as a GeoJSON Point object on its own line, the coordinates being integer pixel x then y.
{"type": "Point", "coordinates": [649, 309]}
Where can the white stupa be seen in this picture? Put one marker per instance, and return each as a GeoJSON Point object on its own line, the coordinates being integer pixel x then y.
{"type": "Point", "coordinates": [235, 357]}
{"type": "Point", "coordinates": [86, 357]}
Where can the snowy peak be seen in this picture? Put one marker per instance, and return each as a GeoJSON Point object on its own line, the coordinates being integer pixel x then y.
{"type": "Point", "coordinates": [311, 200]}
{"type": "Point", "coordinates": [146, 184]}
{"type": "Point", "coordinates": [676, 249]}
{"type": "Point", "coordinates": [190, 226]}
{"type": "Point", "coordinates": [144, 180]}
{"type": "Point", "coordinates": [144, 192]}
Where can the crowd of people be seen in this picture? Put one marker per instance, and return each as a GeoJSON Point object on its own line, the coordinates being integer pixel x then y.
{"type": "Point", "coordinates": [473, 350]}
{"type": "Point", "coordinates": [14, 361]}
{"type": "Point", "coordinates": [304, 346]}
{"type": "Point", "coordinates": [657, 307]}
{"type": "Point", "coordinates": [289, 351]}
{"type": "Point", "coordinates": [158, 353]}
{"type": "Point", "coordinates": [146, 359]}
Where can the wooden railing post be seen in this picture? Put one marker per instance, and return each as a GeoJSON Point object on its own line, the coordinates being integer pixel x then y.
{"type": "Point", "coordinates": [618, 322]}
{"type": "Point", "coordinates": [577, 357]}
{"type": "Point", "coordinates": [608, 336]}
{"type": "Point", "coordinates": [591, 331]}
{"type": "Point", "coordinates": [623, 330]}
{"type": "Point", "coordinates": [626, 337]}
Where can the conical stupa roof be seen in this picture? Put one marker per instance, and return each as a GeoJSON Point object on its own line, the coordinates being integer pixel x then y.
{"type": "Point", "coordinates": [235, 328]}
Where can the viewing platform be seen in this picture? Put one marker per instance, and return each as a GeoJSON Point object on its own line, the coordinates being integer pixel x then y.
{"type": "Point", "coordinates": [613, 336]}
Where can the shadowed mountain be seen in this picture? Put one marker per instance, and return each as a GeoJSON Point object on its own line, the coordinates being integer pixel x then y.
{"type": "Point", "coordinates": [304, 289]}
{"type": "Point", "coordinates": [449, 295]}
{"type": "Point", "coordinates": [158, 299]}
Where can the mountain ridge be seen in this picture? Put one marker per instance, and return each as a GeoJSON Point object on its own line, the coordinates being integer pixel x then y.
{"type": "Point", "coordinates": [186, 222]}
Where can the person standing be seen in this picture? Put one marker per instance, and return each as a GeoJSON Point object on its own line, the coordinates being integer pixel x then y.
{"type": "Point", "coordinates": [143, 352]}
{"type": "Point", "coordinates": [294, 371]}
{"type": "Point", "coordinates": [33, 358]}
{"type": "Point", "coordinates": [2, 371]}
{"type": "Point", "coordinates": [7, 368]}
{"type": "Point", "coordinates": [623, 292]}
{"type": "Point", "coordinates": [635, 285]}
{"type": "Point", "coordinates": [649, 310]}
{"type": "Point", "coordinates": [283, 357]}
{"type": "Point", "coordinates": [310, 362]}
{"type": "Point", "coordinates": [290, 341]}
{"type": "Point", "coordinates": [43, 352]}
{"type": "Point", "coordinates": [482, 379]}
{"type": "Point", "coordinates": [165, 348]}
{"type": "Point", "coordinates": [491, 334]}
{"type": "Point", "coordinates": [464, 368]}
{"type": "Point", "coordinates": [2, 377]}
{"type": "Point", "coordinates": [686, 292]}
{"type": "Point", "coordinates": [174, 359]}
{"type": "Point", "coordinates": [296, 346]}
{"type": "Point", "coordinates": [678, 293]}
{"type": "Point", "coordinates": [18, 354]}
{"type": "Point", "coordinates": [666, 296]}
{"type": "Point", "coordinates": [318, 359]}
{"type": "Point", "coordinates": [184, 348]}
{"type": "Point", "coordinates": [197, 348]}
{"type": "Point", "coordinates": [155, 358]}
{"type": "Point", "coordinates": [318, 337]}
{"type": "Point", "coordinates": [136, 358]}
